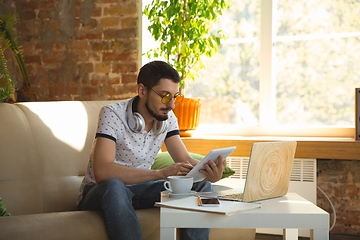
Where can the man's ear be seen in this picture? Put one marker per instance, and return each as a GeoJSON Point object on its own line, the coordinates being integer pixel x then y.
{"type": "Point", "coordinates": [141, 89]}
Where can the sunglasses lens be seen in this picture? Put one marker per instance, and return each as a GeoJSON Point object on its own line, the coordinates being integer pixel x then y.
{"type": "Point", "coordinates": [178, 98]}
{"type": "Point", "coordinates": [167, 98]}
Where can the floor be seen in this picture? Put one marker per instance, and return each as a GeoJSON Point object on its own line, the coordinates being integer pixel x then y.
{"type": "Point", "coordinates": [332, 237]}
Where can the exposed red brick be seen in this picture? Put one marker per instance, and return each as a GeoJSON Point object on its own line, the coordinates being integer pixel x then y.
{"type": "Point", "coordinates": [28, 48]}
{"type": "Point", "coordinates": [77, 12]}
{"type": "Point", "coordinates": [80, 56]}
{"type": "Point", "coordinates": [54, 24]}
{"type": "Point", "coordinates": [73, 90]}
{"type": "Point", "coordinates": [96, 12]}
{"type": "Point", "coordinates": [29, 6]}
{"type": "Point", "coordinates": [120, 33]}
{"type": "Point", "coordinates": [96, 56]}
{"type": "Point", "coordinates": [108, 90]}
{"type": "Point", "coordinates": [56, 90]}
{"type": "Point", "coordinates": [54, 57]}
{"type": "Point", "coordinates": [79, 45]}
{"type": "Point", "coordinates": [98, 79]}
{"type": "Point", "coordinates": [30, 69]}
{"type": "Point", "coordinates": [56, 47]}
{"type": "Point", "coordinates": [354, 205]}
{"type": "Point", "coordinates": [129, 23]}
{"type": "Point", "coordinates": [120, 10]}
{"type": "Point", "coordinates": [78, 3]}
{"type": "Point", "coordinates": [47, 4]}
{"type": "Point", "coordinates": [108, 57]}
{"type": "Point", "coordinates": [35, 80]}
{"type": "Point", "coordinates": [124, 67]}
{"type": "Point", "coordinates": [114, 81]}
{"type": "Point", "coordinates": [124, 45]}
{"type": "Point", "coordinates": [92, 24]}
{"type": "Point", "coordinates": [28, 15]}
{"type": "Point", "coordinates": [102, 68]}
{"type": "Point", "coordinates": [110, 22]}
{"type": "Point", "coordinates": [129, 78]}
{"type": "Point", "coordinates": [107, 1]}
{"type": "Point", "coordinates": [338, 229]}
{"type": "Point", "coordinates": [351, 190]}
{"type": "Point", "coordinates": [44, 14]}
{"type": "Point", "coordinates": [129, 89]}
{"type": "Point", "coordinates": [40, 69]}
{"type": "Point", "coordinates": [40, 92]}
{"type": "Point", "coordinates": [91, 90]}
{"type": "Point", "coordinates": [93, 54]}
{"type": "Point", "coordinates": [86, 68]}
{"type": "Point", "coordinates": [84, 79]}
{"type": "Point", "coordinates": [32, 59]}
{"type": "Point", "coordinates": [40, 46]}
{"type": "Point", "coordinates": [100, 46]}
{"type": "Point", "coordinates": [87, 35]}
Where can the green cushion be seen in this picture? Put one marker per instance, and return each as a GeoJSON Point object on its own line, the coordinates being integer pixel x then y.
{"type": "Point", "coordinates": [3, 211]}
{"type": "Point", "coordinates": [164, 159]}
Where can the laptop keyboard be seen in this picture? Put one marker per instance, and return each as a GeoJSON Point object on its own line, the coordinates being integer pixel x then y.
{"type": "Point", "coordinates": [235, 196]}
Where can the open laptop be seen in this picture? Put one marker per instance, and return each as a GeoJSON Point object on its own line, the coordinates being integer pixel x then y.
{"type": "Point", "coordinates": [268, 174]}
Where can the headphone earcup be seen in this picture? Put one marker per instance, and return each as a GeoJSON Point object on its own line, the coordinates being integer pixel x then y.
{"type": "Point", "coordinates": [137, 123]}
{"type": "Point", "coordinates": [160, 127]}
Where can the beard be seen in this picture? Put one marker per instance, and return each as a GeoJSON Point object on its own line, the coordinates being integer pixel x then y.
{"type": "Point", "coordinates": [156, 116]}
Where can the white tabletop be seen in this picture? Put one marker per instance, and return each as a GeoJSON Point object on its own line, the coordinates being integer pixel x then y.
{"type": "Point", "coordinates": [287, 212]}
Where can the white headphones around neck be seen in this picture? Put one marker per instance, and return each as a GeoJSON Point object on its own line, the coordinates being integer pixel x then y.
{"type": "Point", "coordinates": [137, 124]}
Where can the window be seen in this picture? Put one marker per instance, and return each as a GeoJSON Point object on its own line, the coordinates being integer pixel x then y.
{"type": "Point", "coordinates": [287, 68]}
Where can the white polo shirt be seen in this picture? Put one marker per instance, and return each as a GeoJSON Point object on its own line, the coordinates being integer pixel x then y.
{"type": "Point", "coordinates": [135, 150]}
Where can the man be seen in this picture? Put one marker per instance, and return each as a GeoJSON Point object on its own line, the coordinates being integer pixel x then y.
{"type": "Point", "coordinates": [119, 178]}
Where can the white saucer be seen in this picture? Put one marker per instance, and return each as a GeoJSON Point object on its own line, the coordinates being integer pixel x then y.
{"type": "Point", "coordinates": [179, 195]}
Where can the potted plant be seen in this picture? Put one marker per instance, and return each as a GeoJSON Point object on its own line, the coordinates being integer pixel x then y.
{"type": "Point", "coordinates": [9, 42]}
{"type": "Point", "coordinates": [7, 86]}
{"type": "Point", "coordinates": [183, 29]}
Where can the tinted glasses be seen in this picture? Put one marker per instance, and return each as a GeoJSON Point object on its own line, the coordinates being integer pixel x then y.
{"type": "Point", "coordinates": [178, 97]}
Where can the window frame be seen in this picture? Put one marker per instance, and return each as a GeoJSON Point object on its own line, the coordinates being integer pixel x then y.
{"type": "Point", "coordinates": [267, 86]}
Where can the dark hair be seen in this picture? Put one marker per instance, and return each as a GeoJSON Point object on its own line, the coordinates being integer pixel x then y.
{"type": "Point", "coordinates": [151, 73]}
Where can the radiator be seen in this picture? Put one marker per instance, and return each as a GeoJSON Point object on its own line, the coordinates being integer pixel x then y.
{"type": "Point", "coordinates": [302, 182]}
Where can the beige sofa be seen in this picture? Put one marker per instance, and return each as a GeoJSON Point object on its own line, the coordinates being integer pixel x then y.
{"type": "Point", "coordinates": [44, 150]}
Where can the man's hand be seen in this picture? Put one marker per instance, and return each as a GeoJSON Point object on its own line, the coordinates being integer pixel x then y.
{"type": "Point", "coordinates": [212, 171]}
{"type": "Point", "coordinates": [177, 169]}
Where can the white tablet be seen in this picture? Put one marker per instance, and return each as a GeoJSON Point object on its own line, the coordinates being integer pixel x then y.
{"type": "Point", "coordinates": [212, 155]}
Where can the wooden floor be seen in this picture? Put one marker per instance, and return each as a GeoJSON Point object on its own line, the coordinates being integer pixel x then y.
{"type": "Point", "coordinates": [331, 237]}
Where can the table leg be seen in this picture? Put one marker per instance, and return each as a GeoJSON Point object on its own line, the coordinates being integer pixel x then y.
{"type": "Point", "coordinates": [290, 234]}
{"type": "Point", "coordinates": [316, 234]}
{"type": "Point", "coordinates": [167, 233]}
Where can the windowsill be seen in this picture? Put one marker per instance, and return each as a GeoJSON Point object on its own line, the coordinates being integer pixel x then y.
{"type": "Point", "coordinates": [307, 147]}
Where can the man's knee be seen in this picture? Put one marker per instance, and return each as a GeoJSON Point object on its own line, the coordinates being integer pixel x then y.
{"type": "Point", "coordinates": [114, 187]}
{"type": "Point", "coordinates": [203, 186]}
{"type": "Point", "coordinates": [110, 183]}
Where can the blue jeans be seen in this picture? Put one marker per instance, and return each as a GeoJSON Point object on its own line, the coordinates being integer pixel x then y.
{"type": "Point", "coordinates": [119, 202]}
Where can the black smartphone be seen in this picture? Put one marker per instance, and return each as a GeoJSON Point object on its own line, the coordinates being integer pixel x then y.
{"type": "Point", "coordinates": [209, 202]}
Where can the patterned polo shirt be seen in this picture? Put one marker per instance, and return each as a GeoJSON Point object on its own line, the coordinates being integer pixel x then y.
{"type": "Point", "coordinates": [135, 150]}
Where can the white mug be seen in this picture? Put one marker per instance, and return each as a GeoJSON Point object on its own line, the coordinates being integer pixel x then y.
{"type": "Point", "coordinates": [178, 184]}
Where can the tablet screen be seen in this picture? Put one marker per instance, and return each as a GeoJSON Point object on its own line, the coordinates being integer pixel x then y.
{"type": "Point", "coordinates": [212, 155]}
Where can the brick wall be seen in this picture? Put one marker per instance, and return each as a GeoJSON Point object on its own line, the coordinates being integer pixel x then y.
{"type": "Point", "coordinates": [80, 49]}
{"type": "Point", "coordinates": [340, 180]}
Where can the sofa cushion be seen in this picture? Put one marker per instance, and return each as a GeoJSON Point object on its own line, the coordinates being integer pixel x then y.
{"type": "Point", "coordinates": [164, 159]}
{"type": "Point", "coordinates": [72, 225]}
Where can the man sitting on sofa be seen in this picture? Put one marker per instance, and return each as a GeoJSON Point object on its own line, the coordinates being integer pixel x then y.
{"type": "Point", "coordinates": [119, 178]}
